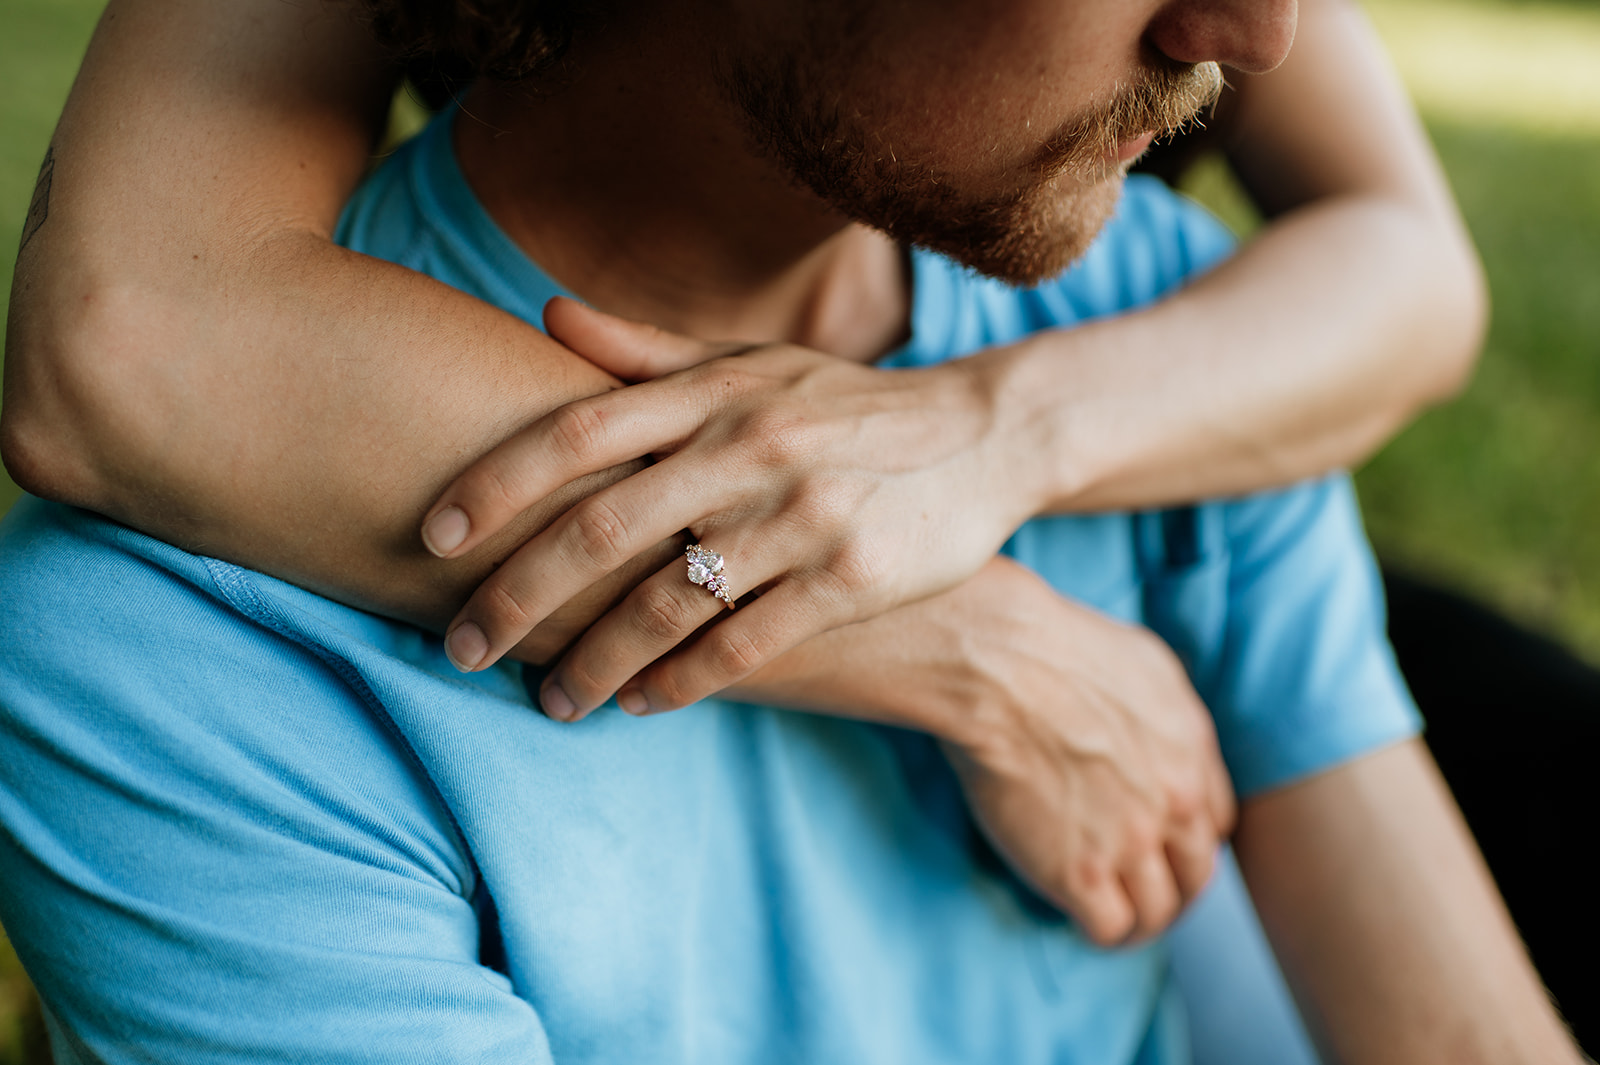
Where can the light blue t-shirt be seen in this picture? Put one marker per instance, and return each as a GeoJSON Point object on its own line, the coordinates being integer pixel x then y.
{"type": "Point", "coordinates": [242, 823]}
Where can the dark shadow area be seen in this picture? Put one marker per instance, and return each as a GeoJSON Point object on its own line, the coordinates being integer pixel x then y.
{"type": "Point", "coordinates": [1514, 722]}
{"type": "Point", "coordinates": [22, 1033]}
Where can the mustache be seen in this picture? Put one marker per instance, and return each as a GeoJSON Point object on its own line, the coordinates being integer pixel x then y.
{"type": "Point", "coordinates": [1167, 99]}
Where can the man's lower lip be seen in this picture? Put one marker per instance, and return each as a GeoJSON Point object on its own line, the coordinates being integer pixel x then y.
{"type": "Point", "coordinates": [1128, 149]}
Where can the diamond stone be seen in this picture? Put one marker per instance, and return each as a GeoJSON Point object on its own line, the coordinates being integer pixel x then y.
{"type": "Point", "coordinates": [699, 573]}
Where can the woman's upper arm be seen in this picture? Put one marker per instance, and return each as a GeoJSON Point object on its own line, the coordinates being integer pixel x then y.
{"type": "Point", "coordinates": [1333, 120]}
{"type": "Point", "coordinates": [282, 101]}
{"type": "Point", "coordinates": [194, 135]}
{"type": "Point", "coordinates": [189, 352]}
{"type": "Point", "coordinates": [1334, 127]}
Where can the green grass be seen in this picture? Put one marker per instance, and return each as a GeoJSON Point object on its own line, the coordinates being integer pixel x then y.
{"type": "Point", "coordinates": [1498, 493]}
{"type": "Point", "coordinates": [1533, 66]}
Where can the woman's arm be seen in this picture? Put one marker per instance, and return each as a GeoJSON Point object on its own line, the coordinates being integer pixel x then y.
{"type": "Point", "coordinates": [188, 351]}
{"type": "Point", "coordinates": [185, 273]}
{"type": "Point", "coordinates": [1361, 302]}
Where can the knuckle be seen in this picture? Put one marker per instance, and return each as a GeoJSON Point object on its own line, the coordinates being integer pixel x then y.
{"type": "Point", "coordinates": [662, 616]}
{"type": "Point", "coordinates": [578, 430]}
{"type": "Point", "coordinates": [1186, 798]}
{"type": "Point", "coordinates": [581, 680]}
{"type": "Point", "coordinates": [778, 438]}
{"type": "Point", "coordinates": [497, 488]}
{"type": "Point", "coordinates": [823, 503]}
{"type": "Point", "coordinates": [735, 654]}
{"type": "Point", "coordinates": [503, 611]}
{"type": "Point", "coordinates": [857, 568]}
{"type": "Point", "coordinates": [1084, 876]}
{"type": "Point", "coordinates": [1141, 836]}
{"type": "Point", "coordinates": [667, 690]}
{"type": "Point", "coordinates": [600, 533]}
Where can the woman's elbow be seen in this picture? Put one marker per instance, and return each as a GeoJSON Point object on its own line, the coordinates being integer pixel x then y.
{"type": "Point", "coordinates": [1469, 301]}
{"type": "Point", "coordinates": [68, 419]}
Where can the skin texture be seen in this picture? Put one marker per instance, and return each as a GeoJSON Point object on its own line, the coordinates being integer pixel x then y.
{"type": "Point", "coordinates": [236, 133]}
{"type": "Point", "coordinates": [1025, 206]}
{"type": "Point", "coordinates": [357, 443]}
{"type": "Point", "coordinates": [1387, 923]}
{"type": "Point", "coordinates": [1082, 769]}
{"type": "Point", "coordinates": [1024, 416]}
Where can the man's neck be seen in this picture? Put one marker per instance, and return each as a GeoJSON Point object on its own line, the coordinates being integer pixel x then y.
{"type": "Point", "coordinates": [634, 188]}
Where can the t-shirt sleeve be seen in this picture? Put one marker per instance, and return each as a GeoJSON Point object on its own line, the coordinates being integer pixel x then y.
{"type": "Point", "coordinates": [1301, 677]}
{"type": "Point", "coordinates": [229, 862]}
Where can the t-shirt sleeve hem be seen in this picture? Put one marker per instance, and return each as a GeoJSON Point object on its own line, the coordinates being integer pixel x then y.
{"type": "Point", "coordinates": [1277, 757]}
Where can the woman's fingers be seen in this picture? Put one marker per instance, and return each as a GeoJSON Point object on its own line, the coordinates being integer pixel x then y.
{"type": "Point", "coordinates": [657, 616]}
{"type": "Point", "coordinates": [580, 438]}
{"type": "Point", "coordinates": [632, 351]}
{"type": "Point", "coordinates": [741, 642]}
{"type": "Point", "coordinates": [582, 546]}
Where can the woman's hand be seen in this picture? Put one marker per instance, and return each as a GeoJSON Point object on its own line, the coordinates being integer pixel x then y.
{"type": "Point", "coordinates": [837, 490]}
{"type": "Point", "coordinates": [1085, 755]}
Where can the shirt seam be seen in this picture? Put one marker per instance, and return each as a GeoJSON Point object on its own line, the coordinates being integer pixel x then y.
{"type": "Point", "coordinates": [240, 591]}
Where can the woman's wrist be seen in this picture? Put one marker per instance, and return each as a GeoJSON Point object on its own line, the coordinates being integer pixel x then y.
{"type": "Point", "coordinates": [1037, 459]}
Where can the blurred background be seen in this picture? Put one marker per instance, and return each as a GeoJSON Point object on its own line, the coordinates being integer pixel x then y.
{"type": "Point", "coordinates": [1496, 496]}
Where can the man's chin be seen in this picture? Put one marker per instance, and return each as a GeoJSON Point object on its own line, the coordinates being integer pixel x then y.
{"type": "Point", "coordinates": [1029, 242]}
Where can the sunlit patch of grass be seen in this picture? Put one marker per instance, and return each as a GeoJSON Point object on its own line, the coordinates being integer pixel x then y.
{"type": "Point", "coordinates": [1529, 66]}
{"type": "Point", "coordinates": [1500, 491]}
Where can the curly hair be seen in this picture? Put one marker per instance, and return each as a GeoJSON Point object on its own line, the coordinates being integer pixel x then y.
{"type": "Point", "coordinates": [456, 42]}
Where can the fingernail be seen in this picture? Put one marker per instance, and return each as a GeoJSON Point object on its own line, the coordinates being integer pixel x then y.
{"type": "Point", "coordinates": [557, 703]}
{"type": "Point", "coordinates": [466, 645]}
{"type": "Point", "coordinates": [633, 701]}
{"type": "Point", "coordinates": [446, 531]}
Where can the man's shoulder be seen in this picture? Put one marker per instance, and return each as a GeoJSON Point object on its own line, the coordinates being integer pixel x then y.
{"type": "Point", "coordinates": [102, 619]}
{"type": "Point", "coordinates": [61, 567]}
{"type": "Point", "coordinates": [133, 665]}
{"type": "Point", "coordinates": [418, 210]}
{"type": "Point", "coordinates": [1274, 602]}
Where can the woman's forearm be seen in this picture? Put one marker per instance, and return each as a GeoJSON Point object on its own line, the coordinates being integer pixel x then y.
{"type": "Point", "coordinates": [1361, 302]}
{"type": "Point", "coordinates": [1304, 353]}
{"type": "Point", "coordinates": [190, 354]}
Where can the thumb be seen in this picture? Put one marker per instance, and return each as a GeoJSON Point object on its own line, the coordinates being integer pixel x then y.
{"type": "Point", "coordinates": [633, 351]}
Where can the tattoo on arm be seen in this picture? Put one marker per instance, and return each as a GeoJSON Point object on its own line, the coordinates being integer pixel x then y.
{"type": "Point", "coordinates": [39, 209]}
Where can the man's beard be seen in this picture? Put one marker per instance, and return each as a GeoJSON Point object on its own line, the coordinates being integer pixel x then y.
{"type": "Point", "coordinates": [1024, 235]}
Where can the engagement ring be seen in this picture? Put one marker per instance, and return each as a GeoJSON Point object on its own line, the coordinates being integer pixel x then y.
{"type": "Point", "coordinates": [705, 568]}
